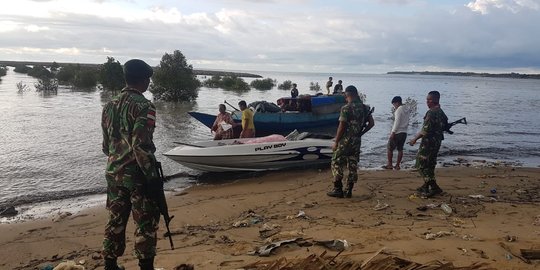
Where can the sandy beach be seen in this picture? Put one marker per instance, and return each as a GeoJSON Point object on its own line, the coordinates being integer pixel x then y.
{"type": "Point", "coordinates": [216, 226]}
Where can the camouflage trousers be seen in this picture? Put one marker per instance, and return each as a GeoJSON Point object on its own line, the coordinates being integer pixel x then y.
{"type": "Point", "coordinates": [121, 201]}
{"type": "Point", "coordinates": [346, 155]}
{"type": "Point", "coordinates": [426, 158]}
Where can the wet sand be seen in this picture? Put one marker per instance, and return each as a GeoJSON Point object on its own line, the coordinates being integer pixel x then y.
{"type": "Point", "coordinates": [205, 218]}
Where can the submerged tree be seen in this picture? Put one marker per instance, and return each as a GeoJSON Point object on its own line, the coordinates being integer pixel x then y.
{"type": "Point", "coordinates": [78, 76]}
{"type": "Point", "coordinates": [66, 74]}
{"type": "Point", "coordinates": [286, 85]}
{"type": "Point", "coordinates": [411, 108]}
{"type": "Point", "coordinates": [47, 85]}
{"type": "Point", "coordinates": [227, 83]}
{"type": "Point", "coordinates": [54, 67]}
{"type": "Point", "coordinates": [263, 84]}
{"type": "Point", "coordinates": [40, 72]}
{"type": "Point", "coordinates": [85, 77]}
{"type": "Point", "coordinates": [314, 86]}
{"type": "Point", "coordinates": [22, 68]}
{"type": "Point", "coordinates": [174, 80]}
{"type": "Point", "coordinates": [21, 87]}
{"type": "Point", "coordinates": [3, 71]}
{"type": "Point", "coordinates": [111, 75]}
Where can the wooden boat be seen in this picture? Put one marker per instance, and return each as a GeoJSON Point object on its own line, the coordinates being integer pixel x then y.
{"type": "Point", "coordinates": [306, 113]}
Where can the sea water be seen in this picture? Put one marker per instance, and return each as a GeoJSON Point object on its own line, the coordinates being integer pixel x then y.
{"type": "Point", "coordinates": [51, 144]}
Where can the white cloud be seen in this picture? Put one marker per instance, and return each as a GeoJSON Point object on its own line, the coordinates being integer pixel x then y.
{"type": "Point", "coordinates": [515, 6]}
{"type": "Point", "coordinates": [34, 28]}
{"type": "Point", "coordinates": [8, 26]}
{"type": "Point", "coordinates": [304, 36]}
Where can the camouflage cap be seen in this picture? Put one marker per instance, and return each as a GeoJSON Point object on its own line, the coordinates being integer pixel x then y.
{"type": "Point", "coordinates": [136, 68]}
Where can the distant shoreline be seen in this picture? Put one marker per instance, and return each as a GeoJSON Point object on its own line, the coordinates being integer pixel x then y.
{"type": "Point", "coordinates": [468, 74]}
{"type": "Point", "coordinates": [195, 71]}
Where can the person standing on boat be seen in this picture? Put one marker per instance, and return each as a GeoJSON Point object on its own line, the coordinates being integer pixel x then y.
{"type": "Point", "coordinates": [346, 148]}
{"type": "Point", "coordinates": [338, 88]}
{"type": "Point", "coordinates": [294, 91]}
{"type": "Point", "coordinates": [329, 84]}
{"type": "Point", "coordinates": [223, 125]}
{"type": "Point", "coordinates": [293, 104]}
{"type": "Point", "coordinates": [248, 126]}
{"type": "Point", "coordinates": [398, 134]}
{"type": "Point", "coordinates": [128, 123]}
{"type": "Point", "coordinates": [435, 122]}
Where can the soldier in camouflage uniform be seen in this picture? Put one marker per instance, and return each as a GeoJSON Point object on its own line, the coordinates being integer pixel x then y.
{"type": "Point", "coordinates": [128, 123]}
{"type": "Point", "coordinates": [435, 122]}
{"type": "Point", "coordinates": [346, 148]}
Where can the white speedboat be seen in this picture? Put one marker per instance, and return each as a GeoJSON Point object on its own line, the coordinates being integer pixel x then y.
{"type": "Point", "coordinates": [256, 154]}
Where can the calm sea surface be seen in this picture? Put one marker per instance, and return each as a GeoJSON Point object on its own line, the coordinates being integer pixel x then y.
{"type": "Point", "coordinates": [51, 145]}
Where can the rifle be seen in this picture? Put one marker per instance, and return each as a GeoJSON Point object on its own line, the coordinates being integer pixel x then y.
{"type": "Point", "coordinates": [450, 125]}
{"type": "Point", "coordinates": [162, 204]}
{"type": "Point", "coordinates": [366, 122]}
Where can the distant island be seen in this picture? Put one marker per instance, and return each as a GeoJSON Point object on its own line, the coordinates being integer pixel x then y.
{"type": "Point", "coordinates": [469, 74]}
{"type": "Point", "coordinates": [195, 71]}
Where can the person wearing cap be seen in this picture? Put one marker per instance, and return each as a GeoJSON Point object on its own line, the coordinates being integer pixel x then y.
{"type": "Point", "coordinates": [398, 134]}
{"type": "Point", "coordinates": [435, 122]}
{"type": "Point", "coordinates": [128, 123]}
{"type": "Point", "coordinates": [352, 119]}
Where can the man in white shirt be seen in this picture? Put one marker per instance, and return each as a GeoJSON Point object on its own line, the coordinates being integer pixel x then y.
{"type": "Point", "coordinates": [398, 135]}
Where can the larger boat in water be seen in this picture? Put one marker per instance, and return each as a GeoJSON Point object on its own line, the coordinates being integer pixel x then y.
{"type": "Point", "coordinates": [303, 113]}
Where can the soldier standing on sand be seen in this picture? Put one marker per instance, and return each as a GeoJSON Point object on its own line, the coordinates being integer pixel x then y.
{"type": "Point", "coordinates": [128, 123]}
{"type": "Point", "coordinates": [346, 148]}
{"type": "Point", "coordinates": [435, 122]}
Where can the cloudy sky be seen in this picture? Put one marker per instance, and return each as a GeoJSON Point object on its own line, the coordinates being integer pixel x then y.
{"type": "Point", "coordinates": [365, 36]}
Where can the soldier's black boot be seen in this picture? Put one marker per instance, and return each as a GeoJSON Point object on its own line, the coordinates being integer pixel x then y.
{"type": "Point", "coordinates": [348, 193]}
{"type": "Point", "coordinates": [146, 264]}
{"type": "Point", "coordinates": [434, 189]}
{"type": "Point", "coordinates": [424, 189]}
{"type": "Point", "coordinates": [337, 191]}
{"type": "Point", "coordinates": [111, 264]}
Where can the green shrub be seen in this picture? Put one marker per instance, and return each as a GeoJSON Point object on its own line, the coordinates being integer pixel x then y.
{"type": "Point", "coordinates": [111, 75]}
{"type": "Point", "coordinates": [263, 84]}
{"type": "Point", "coordinates": [3, 71]}
{"type": "Point", "coordinates": [314, 86]}
{"type": "Point", "coordinates": [22, 68]}
{"type": "Point", "coordinates": [234, 83]}
{"type": "Point", "coordinates": [227, 83]}
{"type": "Point", "coordinates": [85, 77]}
{"type": "Point", "coordinates": [286, 85]}
{"type": "Point", "coordinates": [46, 85]}
{"type": "Point", "coordinates": [54, 67]}
{"type": "Point", "coordinates": [174, 80]}
{"type": "Point", "coordinates": [214, 82]}
{"type": "Point", "coordinates": [40, 72]}
{"type": "Point", "coordinates": [66, 74]}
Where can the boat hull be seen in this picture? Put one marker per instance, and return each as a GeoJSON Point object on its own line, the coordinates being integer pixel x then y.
{"type": "Point", "coordinates": [281, 123]}
{"type": "Point", "coordinates": [209, 156]}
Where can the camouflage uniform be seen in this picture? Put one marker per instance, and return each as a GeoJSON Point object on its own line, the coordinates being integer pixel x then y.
{"type": "Point", "coordinates": [347, 152]}
{"type": "Point", "coordinates": [128, 123]}
{"type": "Point", "coordinates": [434, 123]}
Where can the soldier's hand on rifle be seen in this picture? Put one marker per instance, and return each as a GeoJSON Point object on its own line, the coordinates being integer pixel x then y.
{"type": "Point", "coordinates": [155, 187]}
